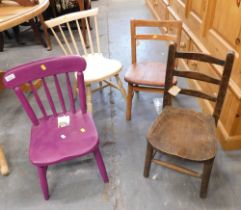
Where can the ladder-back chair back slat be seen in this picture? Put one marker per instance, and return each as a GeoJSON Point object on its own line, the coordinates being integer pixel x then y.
{"type": "Point", "coordinates": [222, 83]}
{"type": "Point", "coordinates": [69, 43]}
{"type": "Point", "coordinates": [200, 57]}
{"type": "Point", "coordinates": [48, 68]}
{"type": "Point", "coordinates": [200, 76]}
{"type": "Point", "coordinates": [49, 97]}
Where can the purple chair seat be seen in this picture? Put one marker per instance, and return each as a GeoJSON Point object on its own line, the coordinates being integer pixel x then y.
{"type": "Point", "coordinates": [50, 144]}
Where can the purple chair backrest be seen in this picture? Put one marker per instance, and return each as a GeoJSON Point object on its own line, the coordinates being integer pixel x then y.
{"type": "Point", "coordinates": [50, 67]}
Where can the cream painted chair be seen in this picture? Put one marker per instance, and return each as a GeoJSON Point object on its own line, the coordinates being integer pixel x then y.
{"type": "Point", "coordinates": [77, 33]}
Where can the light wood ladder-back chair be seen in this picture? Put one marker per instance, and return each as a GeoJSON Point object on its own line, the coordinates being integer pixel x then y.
{"type": "Point", "coordinates": [149, 76]}
{"type": "Point", "coordinates": [99, 68]}
{"type": "Point", "coordinates": [184, 133]}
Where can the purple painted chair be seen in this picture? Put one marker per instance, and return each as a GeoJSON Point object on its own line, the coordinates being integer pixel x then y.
{"type": "Point", "coordinates": [61, 135]}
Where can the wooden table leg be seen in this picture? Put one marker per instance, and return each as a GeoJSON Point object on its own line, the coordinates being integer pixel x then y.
{"type": "Point", "coordinates": [1, 42]}
{"type": "Point", "coordinates": [16, 31]}
{"type": "Point", "coordinates": [36, 31]}
{"type": "Point", "coordinates": [3, 163]}
{"type": "Point", "coordinates": [46, 34]}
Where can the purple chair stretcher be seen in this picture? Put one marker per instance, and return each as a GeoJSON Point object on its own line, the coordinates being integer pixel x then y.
{"type": "Point", "coordinates": [52, 142]}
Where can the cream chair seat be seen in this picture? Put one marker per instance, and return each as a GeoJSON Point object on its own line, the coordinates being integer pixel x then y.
{"type": "Point", "coordinates": [99, 68]}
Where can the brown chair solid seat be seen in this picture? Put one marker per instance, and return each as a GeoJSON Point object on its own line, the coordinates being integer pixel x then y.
{"type": "Point", "coordinates": [146, 73]}
{"type": "Point", "coordinates": [184, 133]}
{"type": "Point", "coordinates": [148, 76]}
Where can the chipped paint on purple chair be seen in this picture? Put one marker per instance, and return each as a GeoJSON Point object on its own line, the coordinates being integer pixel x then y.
{"type": "Point", "coordinates": [49, 143]}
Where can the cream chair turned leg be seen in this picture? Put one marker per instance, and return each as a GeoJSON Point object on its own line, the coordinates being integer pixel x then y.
{"type": "Point", "coordinates": [3, 163]}
{"type": "Point", "coordinates": [120, 86]}
{"type": "Point", "coordinates": [89, 98]}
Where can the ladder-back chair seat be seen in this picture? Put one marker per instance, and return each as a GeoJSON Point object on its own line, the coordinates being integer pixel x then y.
{"type": "Point", "coordinates": [149, 76]}
{"type": "Point", "coordinates": [196, 131]}
{"type": "Point", "coordinates": [87, 44]}
{"type": "Point", "coordinates": [185, 133]}
{"type": "Point", "coordinates": [61, 128]}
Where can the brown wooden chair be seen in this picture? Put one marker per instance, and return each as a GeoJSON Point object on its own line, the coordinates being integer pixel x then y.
{"type": "Point", "coordinates": [148, 76]}
{"type": "Point", "coordinates": [184, 133]}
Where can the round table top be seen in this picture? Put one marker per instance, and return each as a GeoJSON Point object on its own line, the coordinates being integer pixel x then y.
{"type": "Point", "coordinates": [12, 14]}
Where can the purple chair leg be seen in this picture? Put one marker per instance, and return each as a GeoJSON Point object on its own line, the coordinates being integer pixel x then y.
{"type": "Point", "coordinates": [43, 181]}
{"type": "Point", "coordinates": [101, 165]}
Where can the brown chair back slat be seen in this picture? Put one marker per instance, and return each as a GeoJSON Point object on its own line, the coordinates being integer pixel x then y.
{"type": "Point", "coordinates": [227, 64]}
{"type": "Point", "coordinates": [199, 94]}
{"type": "Point", "coordinates": [197, 76]}
{"type": "Point", "coordinates": [200, 57]}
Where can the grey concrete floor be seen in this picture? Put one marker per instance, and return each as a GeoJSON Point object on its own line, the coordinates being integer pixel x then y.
{"type": "Point", "coordinates": [77, 184]}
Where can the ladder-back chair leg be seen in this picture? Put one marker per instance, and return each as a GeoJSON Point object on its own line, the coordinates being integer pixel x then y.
{"type": "Point", "coordinates": [207, 168]}
{"type": "Point", "coordinates": [149, 154]}
{"type": "Point", "coordinates": [101, 165]}
{"type": "Point", "coordinates": [89, 98]}
{"type": "Point", "coordinates": [120, 85]}
{"type": "Point", "coordinates": [42, 172]}
{"type": "Point", "coordinates": [129, 101]}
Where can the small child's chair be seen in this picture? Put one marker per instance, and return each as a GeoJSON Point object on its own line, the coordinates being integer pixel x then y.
{"type": "Point", "coordinates": [62, 134]}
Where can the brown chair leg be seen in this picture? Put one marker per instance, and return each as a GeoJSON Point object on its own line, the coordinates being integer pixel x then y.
{"type": "Point", "coordinates": [207, 168]}
{"type": "Point", "coordinates": [149, 153]}
{"type": "Point", "coordinates": [129, 101]}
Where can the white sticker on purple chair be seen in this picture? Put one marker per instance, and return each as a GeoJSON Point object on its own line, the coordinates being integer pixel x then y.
{"type": "Point", "coordinates": [10, 77]}
{"type": "Point", "coordinates": [63, 121]}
